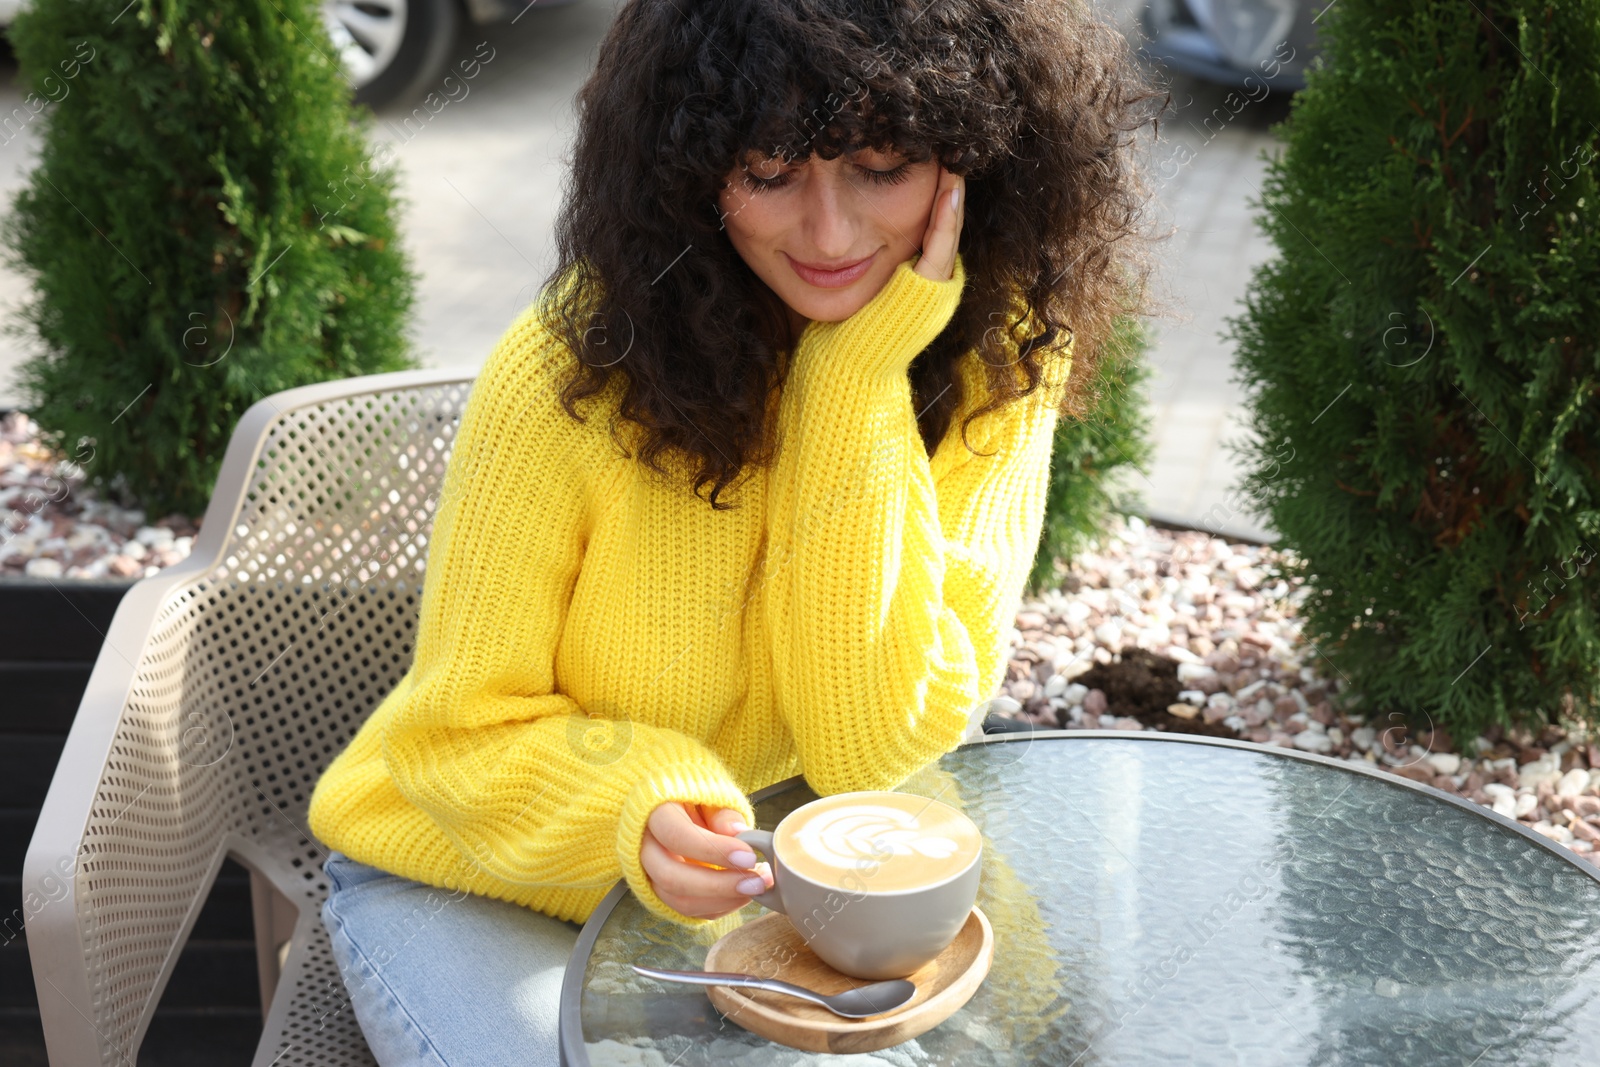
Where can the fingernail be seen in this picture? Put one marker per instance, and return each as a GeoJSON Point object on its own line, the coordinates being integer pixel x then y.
{"type": "Point", "coordinates": [955, 198]}
{"type": "Point", "coordinates": [738, 826]}
{"type": "Point", "coordinates": [751, 886]}
{"type": "Point", "coordinates": [742, 858]}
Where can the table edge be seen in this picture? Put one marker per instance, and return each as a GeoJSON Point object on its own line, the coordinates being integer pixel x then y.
{"type": "Point", "coordinates": [570, 1024]}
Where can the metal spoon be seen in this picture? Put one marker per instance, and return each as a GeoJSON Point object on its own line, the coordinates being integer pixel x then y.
{"type": "Point", "coordinates": [856, 1003]}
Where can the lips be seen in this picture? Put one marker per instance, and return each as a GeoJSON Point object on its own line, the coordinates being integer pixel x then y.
{"type": "Point", "coordinates": [834, 278]}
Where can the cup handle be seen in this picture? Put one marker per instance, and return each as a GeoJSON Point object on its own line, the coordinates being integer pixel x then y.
{"type": "Point", "coordinates": [761, 841]}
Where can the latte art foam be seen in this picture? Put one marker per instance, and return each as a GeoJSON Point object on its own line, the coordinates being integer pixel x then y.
{"type": "Point", "coordinates": [880, 842]}
{"type": "Point", "coordinates": [849, 837]}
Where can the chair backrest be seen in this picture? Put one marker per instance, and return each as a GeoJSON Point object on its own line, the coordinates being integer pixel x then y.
{"type": "Point", "coordinates": [226, 685]}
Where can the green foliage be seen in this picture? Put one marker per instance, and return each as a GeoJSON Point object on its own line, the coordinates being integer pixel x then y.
{"type": "Point", "coordinates": [203, 228]}
{"type": "Point", "coordinates": [1087, 455]}
{"type": "Point", "coordinates": [1421, 356]}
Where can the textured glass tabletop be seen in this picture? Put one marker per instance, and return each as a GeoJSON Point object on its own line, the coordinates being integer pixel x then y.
{"type": "Point", "coordinates": [1161, 900]}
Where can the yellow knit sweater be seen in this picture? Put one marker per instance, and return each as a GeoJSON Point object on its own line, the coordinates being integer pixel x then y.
{"type": "Point", "coordinates": [594, 641]}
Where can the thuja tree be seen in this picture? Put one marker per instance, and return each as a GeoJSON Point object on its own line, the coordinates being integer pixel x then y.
{"type": "Point", "coordinates": [1091, 457]}
{"type": "Point", "coordinates": [1421, 356]}
{"type": "Point", "coordinates": [204, 227]}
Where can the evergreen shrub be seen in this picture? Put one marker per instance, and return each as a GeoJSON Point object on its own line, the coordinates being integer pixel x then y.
{"type": "Point", "coordinates": [203, 228]}
{"type": "Point", "coordinates": [1422, 364]}
{"type": "Point", "coordinates": [1090, 457]}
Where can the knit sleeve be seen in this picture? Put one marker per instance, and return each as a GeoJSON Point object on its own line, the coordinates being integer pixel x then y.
{"type": "Point", "coordinates": [890, 587]}
{"type": "Point", "coordinates": [525, 784]}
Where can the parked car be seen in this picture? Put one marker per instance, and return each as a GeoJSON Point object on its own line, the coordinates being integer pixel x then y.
{"type": "Point", "coordinates": [1242, 43]}
{"type": "Point", "coordinates": [393, 49]}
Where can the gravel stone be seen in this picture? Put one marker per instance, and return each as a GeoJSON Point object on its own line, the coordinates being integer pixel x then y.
{"type": "Point", "coordinates": [1572, 783]}
{"type": "Point", "coordinates": [1004, 705]}
{"type": "Point", "coordinates": [1445, 762]}
{"type": "Point", "coordinates": [1313, 741]}
{"type": "Point", "coordinates": [41, 567]}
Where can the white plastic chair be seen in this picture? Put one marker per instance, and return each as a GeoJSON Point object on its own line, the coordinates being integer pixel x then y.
{"type": "Point", "coordinates": [225, 686]}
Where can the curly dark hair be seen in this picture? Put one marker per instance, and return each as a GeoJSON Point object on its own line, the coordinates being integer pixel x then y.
{"type": "Point", "coordinates": [1036, 103]}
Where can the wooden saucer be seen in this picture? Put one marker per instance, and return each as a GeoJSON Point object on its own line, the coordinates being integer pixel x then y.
{"type": "Point", "coordinates": [944, 984]}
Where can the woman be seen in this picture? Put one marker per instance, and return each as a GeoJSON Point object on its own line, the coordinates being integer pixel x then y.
{"type": "Point", "coordinates": [817, 259]}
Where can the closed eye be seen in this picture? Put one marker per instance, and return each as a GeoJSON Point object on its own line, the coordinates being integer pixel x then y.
{"type": "Point", "coordinates": [893, 176]}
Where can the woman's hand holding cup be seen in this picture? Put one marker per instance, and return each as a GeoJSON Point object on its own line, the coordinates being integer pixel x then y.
{"type": "Point", "coordinates": [682, 850]}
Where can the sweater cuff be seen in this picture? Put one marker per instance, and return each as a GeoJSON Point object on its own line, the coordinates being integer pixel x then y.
{"type": "Point", "coordinates": [693, 783]}
{"type": "Point", "coordinates": [888, 331]}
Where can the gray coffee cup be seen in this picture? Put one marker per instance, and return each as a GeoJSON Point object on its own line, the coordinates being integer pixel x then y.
{"type": "Point", "coordinates": [862, 933]}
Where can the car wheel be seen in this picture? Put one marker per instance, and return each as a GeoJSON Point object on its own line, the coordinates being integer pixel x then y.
{"type": "Point", "coordinates": [391, 49]}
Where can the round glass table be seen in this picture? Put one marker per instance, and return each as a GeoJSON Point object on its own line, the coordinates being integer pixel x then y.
{"type": "Point", "coordinates": [1164, 899]}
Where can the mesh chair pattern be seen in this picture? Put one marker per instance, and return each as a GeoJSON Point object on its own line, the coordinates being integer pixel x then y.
{"type": "Point", "coordinates": [226, 685]}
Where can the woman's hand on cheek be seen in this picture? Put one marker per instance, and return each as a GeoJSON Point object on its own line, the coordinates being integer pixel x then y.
{"type": "Point", "coordinates": [938, 260]}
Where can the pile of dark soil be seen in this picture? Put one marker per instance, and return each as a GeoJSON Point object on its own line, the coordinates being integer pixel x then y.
{"type": "Point", "coordinates": [1141, 685]}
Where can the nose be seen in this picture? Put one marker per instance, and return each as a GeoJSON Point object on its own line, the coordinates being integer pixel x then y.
{"type": "Point", "coordinates": [829, 213]}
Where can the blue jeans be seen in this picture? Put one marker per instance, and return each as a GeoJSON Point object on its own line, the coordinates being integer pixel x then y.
{"type": "Point", "coordinates": [441, 979]}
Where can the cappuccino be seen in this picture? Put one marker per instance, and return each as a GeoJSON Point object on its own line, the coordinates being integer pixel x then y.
{"type": "Point", "coordinates": [877, 842]}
